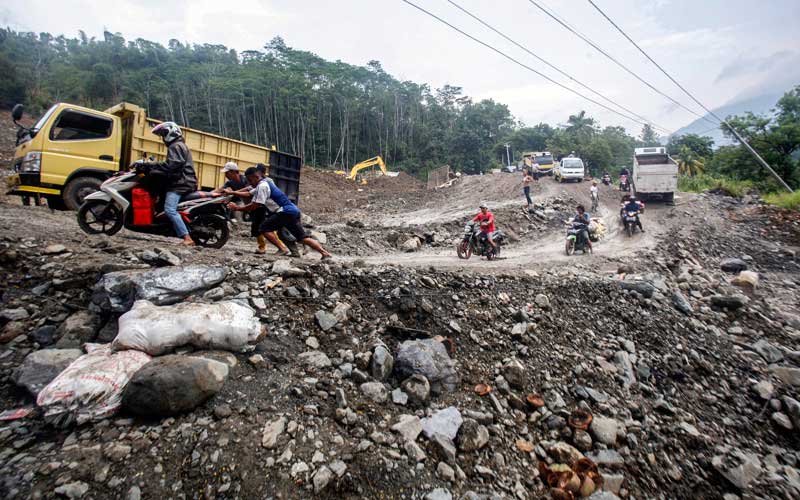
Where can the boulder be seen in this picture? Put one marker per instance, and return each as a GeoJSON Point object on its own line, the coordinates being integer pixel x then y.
{"type": "Point", "coordinates": [325, 320]}
{"type": "Point", "coordinates": [733, 265]}
{"type": "Point", "coordinates": [381, 363]}
{"type": "Point", "coordinates": [643, 288]}
{"type": "Point", "coordinates": [428, 358]}
{"type": "Point", "coordinates": [78, 329]}
{"type": "Point", "coordinates": [738, 467]}
{"type": "Point", "coordinates": [173, 384]}
{"type": "Point", "coordinates": [375, 391]}
{"type": "Point", "coordinates": [444, 422]}
{"type": "Point", "coordinates": [272, 431]}
{"type": "Point", "coordinates": [44, 335]}
{"type": "Point", "coordinates": [417, 388]}
{"type": "Point", "coordinates": [748, 280]}
{"type": "Point", "coordinates": [514, 373]}
{"type": "Point", "coordinates": [411, 245]}
{"type": "Point", "coordinates": [605, 429]}
{"type": "Point", "coordinates": [681, 303]}
{"type": "Point", "coordinates": [117, 291]}
{"type": "Point", "coordinates": [315, 359]}
{"type": "Point", "coordinates": [472, 436]}
{"type": "Point", "coordinates": [40, 367]}
{"type": "Point", "coordinates": [731, 302]}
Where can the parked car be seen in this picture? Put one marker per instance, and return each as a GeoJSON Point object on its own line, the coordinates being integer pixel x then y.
{"type": "Point", "coordinates": [568, 169]}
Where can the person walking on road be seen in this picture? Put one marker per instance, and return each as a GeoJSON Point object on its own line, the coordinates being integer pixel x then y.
{"type": "Point", "coordinates": [594, 191]}
{"type": "Point", "coordinates": [527, 180]}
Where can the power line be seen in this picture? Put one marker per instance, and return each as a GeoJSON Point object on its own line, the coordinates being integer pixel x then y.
{"type": "Point", "coordinates": [462, 9]}
{"type": "Point", "coordinates": [516, 61]}
{"type": "Point", "coordinates": [612, 58]}
{"type": "Point", "coordinates": [724, 122]}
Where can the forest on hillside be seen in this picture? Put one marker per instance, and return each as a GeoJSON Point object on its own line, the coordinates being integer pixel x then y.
{"type": "Point", "coordinates": [331, 113]}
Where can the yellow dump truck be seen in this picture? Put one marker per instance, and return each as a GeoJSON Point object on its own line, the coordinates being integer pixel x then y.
{"type": "Point", "coordinates": [71, 150]}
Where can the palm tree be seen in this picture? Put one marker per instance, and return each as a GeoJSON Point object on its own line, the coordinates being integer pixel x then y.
{"type": "Point", "coordinates": [688, 163]}
{"type": "Point", "coordinates": [580, 124]}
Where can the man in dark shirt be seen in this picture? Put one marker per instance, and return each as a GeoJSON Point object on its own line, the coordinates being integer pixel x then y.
{"type": "Point", "coordinates": [234, 181]}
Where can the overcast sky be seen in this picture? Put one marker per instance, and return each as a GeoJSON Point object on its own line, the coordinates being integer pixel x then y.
{"type": "Point", "coordinates": [722, 50]}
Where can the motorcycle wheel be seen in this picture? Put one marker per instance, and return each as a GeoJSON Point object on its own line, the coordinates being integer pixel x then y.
{"type": "Point", "coordinates": [209, 231]}
{"type": "Point", "coordinates": [493, 253]}
{"type": "Point", "coordinates": [464, 250]}
{"type": "Point", "coordinates": [570, 247]}
{"type": "Point", "coordinates": [100, 217]}
{"type": "Point", "coordinates": [629, 229]}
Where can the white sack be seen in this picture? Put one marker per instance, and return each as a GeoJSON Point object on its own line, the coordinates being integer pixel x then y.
{"type": "Point", "coordinates": [91, 387]}
{"type": "Point", "coordinates": [160, 329]}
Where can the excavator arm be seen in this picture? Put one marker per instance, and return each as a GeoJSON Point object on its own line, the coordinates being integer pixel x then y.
{"type": "Point", "coordinates": [366, 164]}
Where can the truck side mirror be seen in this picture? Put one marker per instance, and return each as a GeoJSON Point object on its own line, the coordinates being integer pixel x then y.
{"type": "Point", "coordinates": [16, 112]}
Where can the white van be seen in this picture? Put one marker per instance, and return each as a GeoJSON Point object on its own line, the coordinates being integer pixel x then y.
{"type": "Point", "coordinates": [569, 168]}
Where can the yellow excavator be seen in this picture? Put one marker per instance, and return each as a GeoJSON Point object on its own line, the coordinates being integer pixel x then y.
{"type": "Point", "coordinates": [377, 160]}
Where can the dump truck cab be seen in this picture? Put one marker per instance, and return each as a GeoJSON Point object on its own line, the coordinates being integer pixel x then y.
{"type": "Point", "coordinates": [66, 154]}
{"type": "Point", "coordinates": [71, 150]}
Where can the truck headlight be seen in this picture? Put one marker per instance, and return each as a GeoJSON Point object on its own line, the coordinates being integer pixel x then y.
{"type": "Point", "coordinates": [32, 162]}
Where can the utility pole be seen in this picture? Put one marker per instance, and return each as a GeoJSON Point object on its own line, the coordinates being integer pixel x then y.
{"type": "Point", "coordinates": [508, 155]}
{"type": "Point", "coordinates": [757, 156]}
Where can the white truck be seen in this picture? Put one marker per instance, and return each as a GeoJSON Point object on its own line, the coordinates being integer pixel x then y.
{"type": "Point", "coordinates": [655, 174]}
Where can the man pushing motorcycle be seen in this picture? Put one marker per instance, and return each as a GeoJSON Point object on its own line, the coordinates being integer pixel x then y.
{"type": "Point", "coordinates": [486, 220]}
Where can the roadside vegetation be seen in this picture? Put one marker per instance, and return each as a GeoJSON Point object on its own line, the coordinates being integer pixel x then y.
{"type": "Point", "coordinates": [790, 201]}
{"type": "Point", "coordinates": [335, 114]}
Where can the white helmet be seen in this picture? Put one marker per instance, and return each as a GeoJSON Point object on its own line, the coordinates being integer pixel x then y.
{"type": "Point", "coordinates": [168, 131]}
{"type": "Point", "coordinates": [483, 205]}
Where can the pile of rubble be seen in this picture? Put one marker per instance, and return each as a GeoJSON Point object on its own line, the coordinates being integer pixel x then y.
{"type": "Point", "coordinates": [677, 376]}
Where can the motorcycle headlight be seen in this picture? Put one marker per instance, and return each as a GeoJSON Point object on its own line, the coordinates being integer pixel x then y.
{"type": "Point", "coordinates": [31, 162]}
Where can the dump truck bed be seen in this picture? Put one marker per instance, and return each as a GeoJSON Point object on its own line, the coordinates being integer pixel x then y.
{"type": "Point", "coordinates": [210, 152]}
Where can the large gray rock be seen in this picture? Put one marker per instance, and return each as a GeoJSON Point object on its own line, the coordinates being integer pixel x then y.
{"type": "Point", "coordinates": [605, 429]}
{"type": "Point", "coordinates": [444, 422]}
{"type": "Point", "coordinates": [375, 391]}
{"type": "Point", "coordinates": [641, 287]}
{"type": "Point", "coordinates": [514, 373]}
{"type": "Point", "coordinates": [40, 367]}
{"type": "Point", "coordinates": [769, 352]}
{"type": "Point", "coordinates": [733, 265]}
{"type": "Point", "coordinates": [731, 302]}
{"type": "Point", "coordinates": [681, 303]}
{"type": "Point", "coordinates": [118, 291]}
{"type": "Point", "coordinates": [272, 431]}
{"type": "Point", "coordinates": [173, 384]}
{"type": "Point", "coordinates": [78, 329]}
{"type": "Point", "coordinates": [381, 363]}
{"type": "Point", "coordinates": [472, 436]}
{"type": "Point", "coordinates": [738, 467]}
{"type": "Point", "coordinates": [325, 320]}
{"type": "Point", "coordinates": [417, 388]}
{"type": "Point", "coordinates": [428, 358]}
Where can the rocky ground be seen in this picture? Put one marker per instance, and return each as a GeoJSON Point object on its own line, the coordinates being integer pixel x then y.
{"type": "Point", "coordinates": [399, 372]}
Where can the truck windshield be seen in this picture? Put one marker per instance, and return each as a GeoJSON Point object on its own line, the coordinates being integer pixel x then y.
{"type": "Point", "coordinates": [544, 160]}
{"type": "Point", "coordinates": [43, 120]}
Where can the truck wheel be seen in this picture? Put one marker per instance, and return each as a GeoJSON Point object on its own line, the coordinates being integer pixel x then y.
{"type": "Point", "coordinates": [670, 199]}
{"type": "Point", "coordinates": [78, 189]}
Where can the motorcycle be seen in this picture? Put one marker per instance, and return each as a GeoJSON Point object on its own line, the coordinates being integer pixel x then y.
{"type": "Point", "coordinates": [624, 183]}
{"type": "Point", "coordinates": [606, 179]}
{"type": "Point", "coordinates": [575, 238]}
{"type": "Point", "coordinates": [474, 242]}
{"type": "Point", "coordinates": [629, 220]}
{"type": "Point", "coordinates": [123, 201]}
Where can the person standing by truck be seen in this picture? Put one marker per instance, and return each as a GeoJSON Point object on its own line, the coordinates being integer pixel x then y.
{"type": "Point", "coordinates": [176, 175]}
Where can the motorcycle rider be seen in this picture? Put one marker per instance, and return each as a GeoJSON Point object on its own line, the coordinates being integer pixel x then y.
{"type": "Point", "coordinates": [581, 217]}
{"type": "Point", "coordinates": [606, 178]}
{"type": "Point", "coordinates": [632, 205]}
{"type": "Point", "coordinates": [176, 175]}
{"type": "Point", "coordinates": [486, 220]}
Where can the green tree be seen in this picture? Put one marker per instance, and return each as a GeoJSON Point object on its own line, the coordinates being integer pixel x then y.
{"type": "Point", "coordinates": [689, 163]}
{"type": "Point", "coordinates": [648, 136]}
{"type": "Point", "coordinates": [701, 146]}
